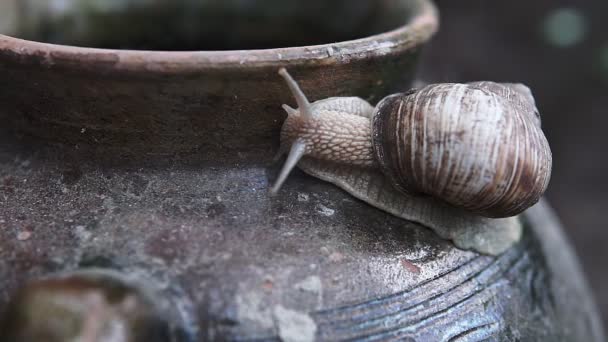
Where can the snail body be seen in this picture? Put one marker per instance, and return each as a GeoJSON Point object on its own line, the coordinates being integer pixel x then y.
{"type": "Point", "coordinates": [439, 155]}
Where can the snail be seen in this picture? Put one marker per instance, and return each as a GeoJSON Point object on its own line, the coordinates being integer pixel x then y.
{"type": "Point", "coordinates": [461, 159]}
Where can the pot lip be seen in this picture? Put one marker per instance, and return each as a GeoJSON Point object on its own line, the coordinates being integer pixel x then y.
{"type": "Point", "coordinates": [422, 24]}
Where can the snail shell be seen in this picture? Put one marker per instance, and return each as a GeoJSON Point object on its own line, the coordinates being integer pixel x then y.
{"type": "Point", "coordinates": [477, 146]}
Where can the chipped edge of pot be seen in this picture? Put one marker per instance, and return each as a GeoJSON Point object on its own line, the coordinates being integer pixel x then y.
{"type": "Point", "coordinates": [423, 23]}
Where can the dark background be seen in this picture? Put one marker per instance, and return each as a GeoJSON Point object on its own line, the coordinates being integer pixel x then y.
{"type": "Point", "coordinates": [560, 50]}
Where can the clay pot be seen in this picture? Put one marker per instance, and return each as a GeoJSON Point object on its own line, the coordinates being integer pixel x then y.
{"type": "Point", "coordinates": [207, 104]}
{"type": "Point", "coordinates": [156, 165]}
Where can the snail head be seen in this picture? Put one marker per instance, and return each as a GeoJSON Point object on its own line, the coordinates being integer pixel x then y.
{"type": "Point", "coordinates": [333, 130]}
{"type": "Point", "coordinates": [297, 120]}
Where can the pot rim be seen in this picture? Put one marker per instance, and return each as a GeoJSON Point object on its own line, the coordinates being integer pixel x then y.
{"type": "Point", "coordinates": [422, 24]}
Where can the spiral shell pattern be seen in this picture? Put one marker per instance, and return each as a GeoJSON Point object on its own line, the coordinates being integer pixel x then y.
{"type": "Point", "coordinates": [478, 146]}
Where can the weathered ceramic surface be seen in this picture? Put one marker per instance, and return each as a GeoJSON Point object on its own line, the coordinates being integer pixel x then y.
{"type": "Point", "coordinates": [309, 259]}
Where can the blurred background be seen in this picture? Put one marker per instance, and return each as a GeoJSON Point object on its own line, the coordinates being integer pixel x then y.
{"type": "Point", "coordinates": [560, 50]}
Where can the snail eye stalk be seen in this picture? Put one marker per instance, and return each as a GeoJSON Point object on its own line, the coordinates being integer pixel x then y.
{"type": "Point", "coordinates": [297, 151]}
{"type": "Point", "coordinates": [303, 105]}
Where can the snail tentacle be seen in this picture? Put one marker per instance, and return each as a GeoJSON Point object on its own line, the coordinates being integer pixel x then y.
{"type": "Point", "coordinates": [297, 151]}
{"type": "Point", "coordinates": [290, 110]}
{"type": "Point", "coordinates": [303, 104]}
